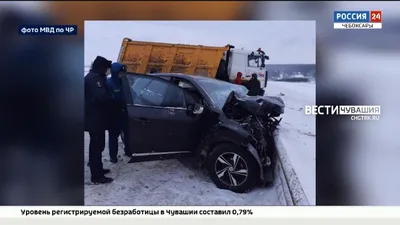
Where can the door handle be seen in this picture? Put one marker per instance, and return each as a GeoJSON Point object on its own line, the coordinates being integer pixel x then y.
{"type": "Point", "coordinates": [141, 120]}
{"type": "Point", "coordinates": [170, 110]}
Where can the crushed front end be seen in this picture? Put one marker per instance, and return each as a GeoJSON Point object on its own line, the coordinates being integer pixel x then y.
{"type": "Point", "coordinates": [263, 142]}
{"type": "Point", "coordinates": [258, 116]}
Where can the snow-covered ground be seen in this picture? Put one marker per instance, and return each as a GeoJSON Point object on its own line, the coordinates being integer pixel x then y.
{"type": "Point", "coordinates": [297, 130]}
{"type": "Point", "coordinates": [169, 182]}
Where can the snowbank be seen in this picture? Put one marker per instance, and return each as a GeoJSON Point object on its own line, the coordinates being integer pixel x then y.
{"type": "Point", "coordinates": [297, 131]}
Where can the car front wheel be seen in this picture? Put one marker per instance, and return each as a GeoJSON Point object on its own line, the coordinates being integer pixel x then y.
{"type": "Point", "coordinates": [231, 167]}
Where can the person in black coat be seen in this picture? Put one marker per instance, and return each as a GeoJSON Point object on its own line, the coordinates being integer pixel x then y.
{"type": "Point", "coordinates": [98, 100]}
{"type": "Point", "coordinates": [253, 85]}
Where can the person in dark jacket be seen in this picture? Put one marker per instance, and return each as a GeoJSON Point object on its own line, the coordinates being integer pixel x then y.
{"type": "Point", "coordinates": [253, 85]}
{"type": "Point", "coordinates": [261, 52]}
{"type": "Point", "coordinates": [97, 102]}
{"type": "Point", "coordinates": [118, 117]}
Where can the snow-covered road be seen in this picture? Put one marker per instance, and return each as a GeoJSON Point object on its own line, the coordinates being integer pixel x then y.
{"type": "Point", "coordinates": [297, 130]}
{"type": "Point", "coordinates": [170, 182]}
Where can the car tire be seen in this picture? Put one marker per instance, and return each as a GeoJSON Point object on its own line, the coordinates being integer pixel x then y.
{"type": "Point", "coordinates": [223, 173]}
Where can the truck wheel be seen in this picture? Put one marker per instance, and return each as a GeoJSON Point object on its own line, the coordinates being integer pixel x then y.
{"type": "Point", "coordinates": [233, 168]}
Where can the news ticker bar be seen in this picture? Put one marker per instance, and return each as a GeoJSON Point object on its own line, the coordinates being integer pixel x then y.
{"type": "Point", "coordinates": [138, 212]}
{"type": "Point", "coordinates": [198, 212]}
{"type": "Point", "coordinates": [48, 30]}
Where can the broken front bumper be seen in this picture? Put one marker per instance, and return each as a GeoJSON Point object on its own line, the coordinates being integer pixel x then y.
{"type": "Point", "coordinates": [266, 169]}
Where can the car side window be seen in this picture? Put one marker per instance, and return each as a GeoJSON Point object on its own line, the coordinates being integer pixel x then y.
{"type": "Point", "coordinates": [147, 91]}
{"type": "Point", "coordinates": [165, 78]}
{"type": "Point", "coordinates": [190, 94]}
{"type": "Point", "coordinates": [175, 97]}
{"type": "Point", "coordinates": [153, 92]}
{"type": "Point", "coordinates": [193, 98]}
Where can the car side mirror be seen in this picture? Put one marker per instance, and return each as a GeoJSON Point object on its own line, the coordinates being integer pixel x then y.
{"type": "Point", "coordinates": [196, 109]}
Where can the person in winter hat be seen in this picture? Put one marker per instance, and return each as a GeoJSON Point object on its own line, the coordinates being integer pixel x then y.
{"type": "Point", "coordinates": [238, 79]}
{"type": "Point", "coordinates": [118, 117]}
{"type": "Point", "coordinates": [97, 102]}
{"type": "Point", "coordinates": [253, 85]}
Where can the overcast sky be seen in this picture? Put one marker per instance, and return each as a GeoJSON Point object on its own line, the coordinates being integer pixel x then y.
{"type": "Point", "coordinates": [286, 42]}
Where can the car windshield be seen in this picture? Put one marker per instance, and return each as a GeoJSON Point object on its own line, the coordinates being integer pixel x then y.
{"type": "Point", "coordinates": [220, 90]}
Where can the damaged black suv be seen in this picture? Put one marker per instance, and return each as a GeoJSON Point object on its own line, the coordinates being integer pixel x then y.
{"type": "Point", "coordinates": [228, 132]}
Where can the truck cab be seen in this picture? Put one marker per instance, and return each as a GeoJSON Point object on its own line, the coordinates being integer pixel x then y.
{"type": "Point", "coordinates": [247, 63]}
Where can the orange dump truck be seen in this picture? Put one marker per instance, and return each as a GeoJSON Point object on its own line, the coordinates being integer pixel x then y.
{"type": "Point", "coordinates": [208, 61]}
{"type": "Point", "coordinates": [141, 57]}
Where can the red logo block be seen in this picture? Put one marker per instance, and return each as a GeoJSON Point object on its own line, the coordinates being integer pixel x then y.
{"type": "Point", "coordinates": [375, 16]}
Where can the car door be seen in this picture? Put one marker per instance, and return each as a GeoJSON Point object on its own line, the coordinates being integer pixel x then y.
{"type": "Point", "coordinates": [159, 123]}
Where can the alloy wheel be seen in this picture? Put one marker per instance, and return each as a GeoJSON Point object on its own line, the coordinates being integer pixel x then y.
{"type": "Point", "coordinates": [231, 169]}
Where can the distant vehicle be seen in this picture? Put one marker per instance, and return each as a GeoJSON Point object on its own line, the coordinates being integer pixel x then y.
{"type": "Point", "coordinates": [228, 132]}
{"type": "Point", "coordinates": [294, 78]}
{"type": "Point", "coordinates": [206, 61]}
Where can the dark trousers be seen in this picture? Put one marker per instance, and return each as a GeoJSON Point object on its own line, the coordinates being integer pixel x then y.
{"type": "Point", "coordinates": [96, 147]}
{"type": "Point", "coordinates": [113, 135]}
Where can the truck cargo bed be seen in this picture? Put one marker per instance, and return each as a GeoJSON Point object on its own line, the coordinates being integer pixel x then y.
{"type": "Point", "coordinates": [141, 57]}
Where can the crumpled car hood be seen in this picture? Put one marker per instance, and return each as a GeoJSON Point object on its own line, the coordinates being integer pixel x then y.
{"type": "Point", "coordinates": [256, 105]}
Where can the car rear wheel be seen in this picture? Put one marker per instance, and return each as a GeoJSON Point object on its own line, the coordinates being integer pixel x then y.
{"type": "Point", "coordinates": [233, 168]}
